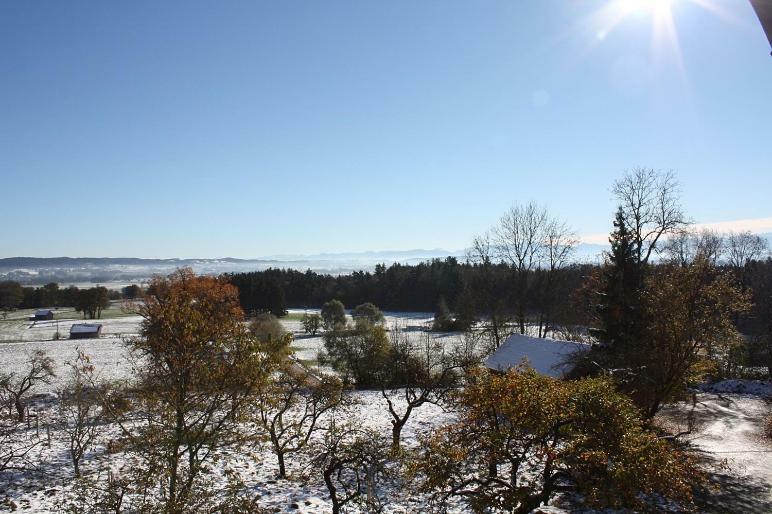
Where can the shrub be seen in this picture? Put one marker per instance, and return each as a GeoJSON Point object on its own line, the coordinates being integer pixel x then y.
{"type": "Point", "coordinates": [523, 437]}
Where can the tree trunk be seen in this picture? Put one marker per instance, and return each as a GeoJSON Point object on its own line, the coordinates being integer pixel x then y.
{"type": "Point", "coordinates": [396, 434]}
{"type": "Point", "coordinates": [493, 469]}
{"type": "Point", "coordinates": [76, 464]}
{"type": "Point", "coordinates": [282, 467]}
{"type": "Point", "coordinates": [19, 408]}
{"type": "Point", "coordinates": [328, 472]}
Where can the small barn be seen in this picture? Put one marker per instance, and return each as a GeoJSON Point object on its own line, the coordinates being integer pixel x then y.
{"type": "Point", "coordinates": [546, 356]}
{"type": "Point", "coordinates": [85, 331]}
{"type": "Point", "coordinates": [43, 315]}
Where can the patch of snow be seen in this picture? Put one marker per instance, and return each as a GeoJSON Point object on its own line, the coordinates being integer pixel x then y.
{"type": "Point", "coordinates": [752, 387]}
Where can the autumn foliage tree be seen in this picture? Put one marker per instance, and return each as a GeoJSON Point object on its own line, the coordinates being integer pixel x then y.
{"type": "Point", "coordinates": [690, 331]}
{"type": "Point", "coordinates": [522, 437]}
{"type": "Point", "coordinates": [199, 369]}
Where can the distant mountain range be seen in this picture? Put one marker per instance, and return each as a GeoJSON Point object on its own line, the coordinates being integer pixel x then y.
{"type": "Point", "coordinates": [116, 271]}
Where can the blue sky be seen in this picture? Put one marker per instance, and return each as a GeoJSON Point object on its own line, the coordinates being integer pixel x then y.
{"type": "Point", "coordinates": [245, 129]}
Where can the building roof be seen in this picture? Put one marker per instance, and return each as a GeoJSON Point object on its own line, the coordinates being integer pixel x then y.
{"type": "Point", "coordinates": [43, 312]}
{"type": "Point", "coordinates": [85, 328]}
{"type": "Point", "coordinates": [546, 356]}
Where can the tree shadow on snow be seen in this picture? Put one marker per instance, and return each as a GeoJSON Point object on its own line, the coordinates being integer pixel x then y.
{"type": "Point", "coordinates": [725, 492]}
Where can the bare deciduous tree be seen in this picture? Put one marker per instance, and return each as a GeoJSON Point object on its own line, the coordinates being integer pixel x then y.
{"type": "Point", "coordinates": [80, 409]}
{"type": "Point", "coordinates": [527, 238]}
{"type": "Point", "coordinates": [289, 408]}
{"type": "Point", "coordinates": [39, 369]}
{"type": "Point", "coordinates": [558, 245]}
{"type": "Point", "coordinates": [419, 374]}
{"type": "Point", "coordinates": [352, 462]}
{"type": "Point", "coordinates": [651, 206]}
{"type": "Point", "coordinates": [685, 246]}
{"type": "Point", "coordinates": [14, 445]}
{"type": "Point", "coordinates": [744, 247]}
{"type": "Point", "coordinates": [496, 323]}
{"type": "Point", "coordinates": [518, 240]}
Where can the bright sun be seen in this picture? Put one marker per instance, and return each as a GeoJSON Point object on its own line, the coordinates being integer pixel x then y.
{"type": "Point", "coordinates": [615, 15]}
{"type": "Point", "coordinates": [657, 13]}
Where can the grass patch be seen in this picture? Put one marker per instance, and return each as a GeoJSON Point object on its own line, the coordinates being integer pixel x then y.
{"type": "Point", "coordinates": [293, 316]}
{"type": "Point", "coordinates": [110, 313]}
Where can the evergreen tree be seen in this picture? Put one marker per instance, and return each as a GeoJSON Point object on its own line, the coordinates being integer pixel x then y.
{"type": "Point", "coordinates": [619, 310]}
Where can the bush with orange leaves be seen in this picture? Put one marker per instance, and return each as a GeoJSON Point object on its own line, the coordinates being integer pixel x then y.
{"type": "Point", "coordinates": [522, 438]}
{"type": "Point", "coordinates": [199, 372]}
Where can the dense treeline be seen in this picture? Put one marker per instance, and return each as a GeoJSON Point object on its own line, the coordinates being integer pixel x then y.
{"type": "Point", "coordinates": [397, 287]}
{"type": "Point", "coordinates": [14, 296]}
{"type": "Point", "coordinates": [90, 301]}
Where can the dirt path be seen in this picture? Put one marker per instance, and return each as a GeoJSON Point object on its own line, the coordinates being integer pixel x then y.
{"type": "Point", "coordinates": [728, 433]}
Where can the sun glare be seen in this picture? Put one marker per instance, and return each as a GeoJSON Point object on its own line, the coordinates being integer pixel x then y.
{"type": "Point", "coordinates": [651, 7]}
{"type": "Point", "coordinates": [614, 15]}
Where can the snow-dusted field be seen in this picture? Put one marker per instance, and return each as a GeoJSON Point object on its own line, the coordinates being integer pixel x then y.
{"type": "Point", "coordinates": [19, 338]}
{"type": "Point", "coordinates": [413, 324]}
{"type": "Point", "coordinates": [257, 467]}
{"type": "Point", "coordinates": [728, 431]}
{"type": "Point", "coordinates": [728, 434]}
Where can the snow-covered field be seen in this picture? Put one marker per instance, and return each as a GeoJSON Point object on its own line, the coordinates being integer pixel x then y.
{"type": "Point", "coordinates": [728, 432]}
{"type": "Point", "coordinates": [257, 466]}
{"type": "Point", "coordinates": [413, 324]}
{"type": "Point", "coordinates": [19, 338]}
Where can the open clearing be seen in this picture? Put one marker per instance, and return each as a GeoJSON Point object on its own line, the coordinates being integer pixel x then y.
{"type": "Point", "coordinates": [727, 434]}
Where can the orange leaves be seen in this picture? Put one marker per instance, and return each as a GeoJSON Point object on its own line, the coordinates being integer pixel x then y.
{"type": "Point", "coordinates": [521, 434]}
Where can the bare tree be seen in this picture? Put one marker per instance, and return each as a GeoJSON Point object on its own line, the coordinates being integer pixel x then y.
{"type": "Point", "coordinates": [518, 240]}
{"type": "Point", "coordinates": [289, 409]}
{"type": "Point", "coordinates": [557, 247]}
{"type": "Point", "coordinates": [497, 318]}
{"type": "Point", "coordinates": [685, 246]}
{"type": "Point", "coordinates": [744, 247]}
{"type": "Point", "coordinates": [651, 206]}
{"type": "Point", "coordinates": [352, 461]}
{"type": "Point", "coordinates": [39, 369]}
{"type": "Point", "coordinates": [420, 374]}
{"type": "Point", "coordinates": [710, 245]}
{"type": "Point", "coordinates": [80, 409]}
{"type": "Point", "coordinates": [14, 445]}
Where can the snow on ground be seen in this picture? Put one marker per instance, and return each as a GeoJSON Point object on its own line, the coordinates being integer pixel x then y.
{"type": "Point", "coordinates": [728, 435]}
{"type": "Point", "coordinates": [753, 387]}
{"type": "Point", "coordinates": [19, 338]}
{"type": "Point", "coordinates": [413, 324]}
{"type": "Point", "coordinates": [256, 467]}
{"type": "Point", "coordinates": [728, 431]}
